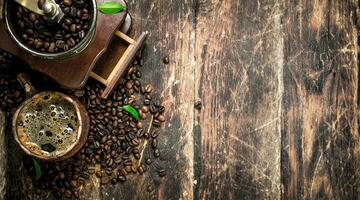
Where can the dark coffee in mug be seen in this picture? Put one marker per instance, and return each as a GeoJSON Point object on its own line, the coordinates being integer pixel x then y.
{"type": "Point", "coordinates": [47, 124]}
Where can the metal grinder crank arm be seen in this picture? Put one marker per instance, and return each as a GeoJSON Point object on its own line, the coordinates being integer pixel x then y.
{"type": "Point", "coordinates": [32, 5]}
{"type": "Point", "coordinates": [50, 10]}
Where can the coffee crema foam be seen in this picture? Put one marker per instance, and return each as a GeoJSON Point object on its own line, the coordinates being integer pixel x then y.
{"type": "Point", "coordinates": [47, 124]}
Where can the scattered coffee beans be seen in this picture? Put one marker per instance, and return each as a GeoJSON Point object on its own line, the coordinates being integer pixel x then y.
{"type": "Point", "coordinates": [116, 140]}
{"type": "Point", "coordinates": [5, 59]}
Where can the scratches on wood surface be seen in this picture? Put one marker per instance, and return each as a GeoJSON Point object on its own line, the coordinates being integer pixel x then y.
{"type": "Point", "coordinates": [172, 35]}
{"type": "Point", "coordinates": [320, 128]}
{"type": "Point", "coordinates": [240, 86]}
{"type": "Point", "coordinates": [278, 81]}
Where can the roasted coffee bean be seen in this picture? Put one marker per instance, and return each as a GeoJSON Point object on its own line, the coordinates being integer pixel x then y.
{"type": "Point", "coordinates": [198, 104]}
{"type": "Point", "coordinates": [155, 134]}
{"type": "Point", "coordinates": [25, 36]}
{"type": "Point", "coordinates": [32, 17]}
{"type": "Point", "coordinates": [157, 102]}
{"type": "Point", "coordinates": [21, 23]}
{"type": "Point", "coordinates": [60, 44]}
{"type": "Point", "coordinates": [38, 44]}
{"type": "Point", "coordinates": [113, 181]}
{"type": "Point", "coordinates": [85, 175]}
{"type": "Point", "coordinates": [139, 124]}
{"type": "Point", "coordinates": [73, 28]}
{"type": "Point", "coordinates": [161, 118]}
{"type": "Point", "coordinates": [73, 12]}
{"type": "Point", "coordinates": [29, 31]}
{"type": "Point", "coordinates": [108, 171]}
{"type": "Point", "coordinates": [145, 109]}
{"type": "Point", "coordinates": [137, 83]}
{"type": "Point", "coordinates": [162, 172]}
{"type": "Point", "coordinates": [166, 60]}
{"type": "Point", "coordinates": [146, 135]}
{"type": "Point", "coordinates": [156, 123]}
{"type": "Point", "coordinates": [67, 2]}
{"type": "Point", "coordinates": [81, 33]}
{"type": "Point", "coordinates": [98, 174]}
{"type": "Point", "coordinates": [129, 84]}
{"type": "Point", "coordinates": [88, 151]}
{"type": "Point", "coordinates": [153, 109]}
{"type": "Point", "coordinates": [127, 163]}
{"type": "Point", "coordinates": [140, 133]}
{"type": "Point", "coordinates": [148, 161]}
{"type": "Point", "coordinates": [137, 156]}
{"type": "Point", "coordinates": [146, 101]}
{"type": "Point", "coordinates": [68, 193]}
{"type": "Point", "coordinates": [68, 21]}
{"type": "Point", "coordinates": [156, 153]}
{"type": "Point", "coordinates": [154, 144]}
{"type": "Point", "coordinates": [161, 109]}
{"type": "Point", "coordinates": [76, 194]}
{"type": "Point", "coordinates": [148, 88]}
{"type": "Point", "coordinates": [121, 178]}
{"type": "Point", "coordinates": [141, 169]}
{"type": "Point", "coordinates": [142, 90]}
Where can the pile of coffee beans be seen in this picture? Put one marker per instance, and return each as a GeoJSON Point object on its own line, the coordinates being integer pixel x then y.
{"type": "Point", "coordinates": [116, 140]}
{"type": "Point", "coordinates": [45, 36]}
{"type": "Point", "coordinates": [11, 93]}
{"type": "Point", "coordinates": [5, 59]}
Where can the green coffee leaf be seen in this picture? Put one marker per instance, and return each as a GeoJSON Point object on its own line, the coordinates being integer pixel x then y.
{"type": "Point", "coordinates": [132, 111]}
{"type": "Point", "coordinates": [110, 7]}
{"type": "Point", "coordinates": [37, 168]}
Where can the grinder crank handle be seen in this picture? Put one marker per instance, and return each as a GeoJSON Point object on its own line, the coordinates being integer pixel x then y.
{"type": "Point", "coordinates": [32, 5]}
{"type": "Point", "coordinates": [50, 9]}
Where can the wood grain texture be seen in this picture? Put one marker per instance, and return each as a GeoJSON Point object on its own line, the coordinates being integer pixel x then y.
{"type": "Point", "coordinates": [3, 156]}
{"type": "Point", "coordinates": [239, 69]}
{"type": "Point", "coordinates": [1, 9]}
{"type": "Point", "coordinates": [320, 138]}
{"type": "Point", "coordinates": [171, 33]}
{"type": "Point", "coordinates": [278, 80]}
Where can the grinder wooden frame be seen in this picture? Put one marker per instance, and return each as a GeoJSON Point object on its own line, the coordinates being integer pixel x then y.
{"type": "Point", "coordinates": [106, 73]}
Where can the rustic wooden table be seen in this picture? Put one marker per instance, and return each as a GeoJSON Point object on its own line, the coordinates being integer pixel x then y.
{"type": "Point", "coordinates": [278, 80]}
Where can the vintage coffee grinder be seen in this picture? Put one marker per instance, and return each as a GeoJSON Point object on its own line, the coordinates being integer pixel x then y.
{"type": "Point", "coordinates": [104, 53]}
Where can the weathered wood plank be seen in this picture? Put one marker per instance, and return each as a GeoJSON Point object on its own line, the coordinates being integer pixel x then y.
{"type": "Point", "coordinates": [171, 34]}
{"type": "Point", "coordinates": [1, 9]}
{"type": "Point", "coordinates": [278, 79]}
{"type": "Point", "coordinates": [320, 147]}
{"type": "Point", "coordinates": [239, 68]}
{"type": "Point", "coordinates": [3, 150]}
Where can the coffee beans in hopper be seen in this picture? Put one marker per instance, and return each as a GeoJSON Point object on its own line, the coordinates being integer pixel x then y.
{"type": "Point", "coordinates": [45, 36]}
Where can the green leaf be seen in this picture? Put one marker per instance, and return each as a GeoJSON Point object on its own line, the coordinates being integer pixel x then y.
{"type": "Point", "coordinates": [110, 7]}
{"type": "Point", "coordinates": [37, 168]}
{"type": "Point", "coordinates": [132, 111]}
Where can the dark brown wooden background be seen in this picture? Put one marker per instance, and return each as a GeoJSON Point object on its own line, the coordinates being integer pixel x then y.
{"type": "Point", "coordinates": [279, 84]}
{"type": "Point", "coordinates": [278, 80]}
